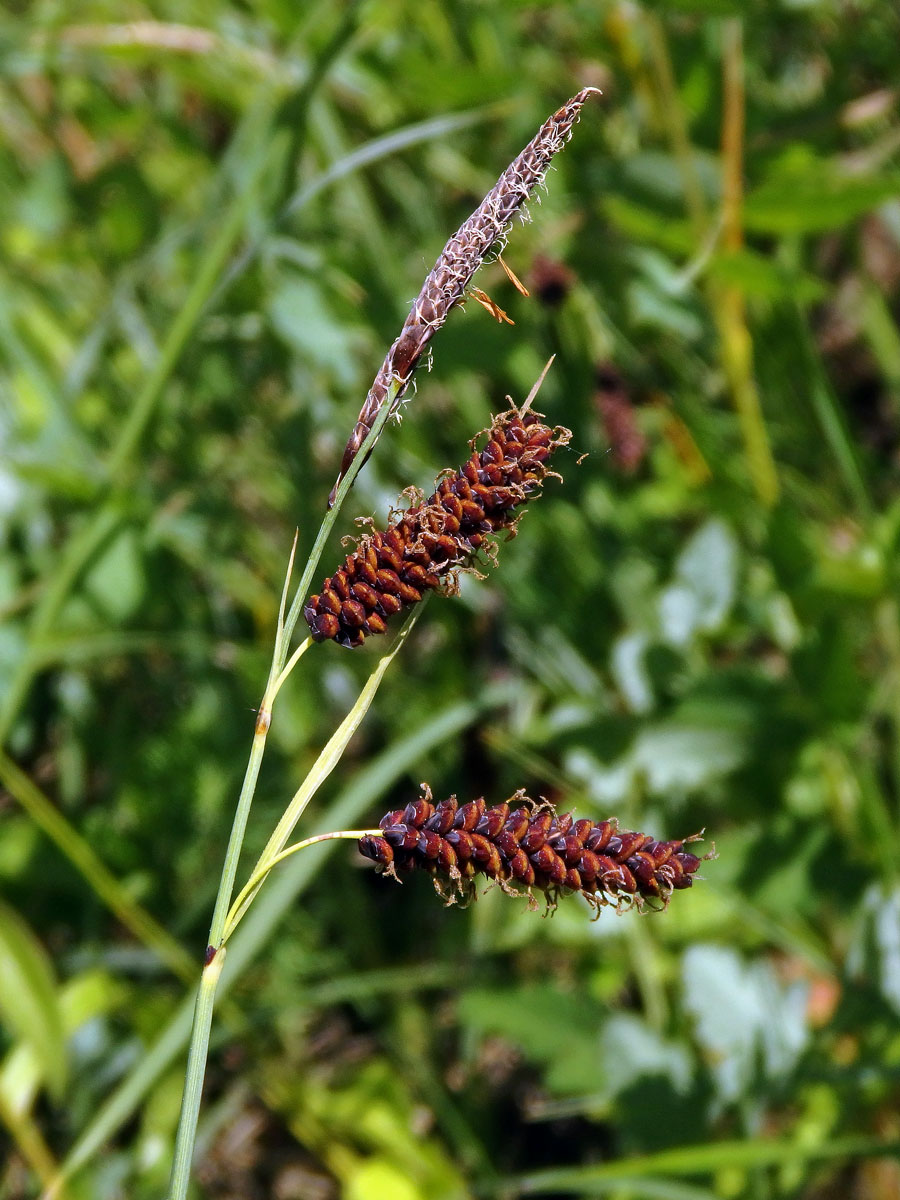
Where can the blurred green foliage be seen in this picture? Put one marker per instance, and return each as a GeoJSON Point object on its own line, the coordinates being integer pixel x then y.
{"type": "Point", "coordinates": [215, 218]}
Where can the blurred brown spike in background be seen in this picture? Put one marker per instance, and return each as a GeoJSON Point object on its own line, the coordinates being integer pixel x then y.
{"type": "Point", "coordinates": [531, 845]}
{"type": "Point", "coordinates": [459, 260]}
{"type": "Point", "coordinates": [391, 571]}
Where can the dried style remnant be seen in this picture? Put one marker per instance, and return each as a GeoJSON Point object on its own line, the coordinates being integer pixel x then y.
{"type": "Point", "coordinates": [459, 260]}
{"type": "Point", "coordinates": [391, 571]}
{"type": "Point", "coordinates": [531, 845]}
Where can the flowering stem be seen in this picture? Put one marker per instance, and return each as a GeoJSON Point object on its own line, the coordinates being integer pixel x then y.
{"type": "Point", "coordinates": [193, 1082]}
{"type": "Point", "coordinates": [215, 955]}
{"type": "Point", "coordinates": [331, 516]}
{"type": "Point", "coordinates": [262, 871]}
{"type": "Point", "coordinates": [321, 769]}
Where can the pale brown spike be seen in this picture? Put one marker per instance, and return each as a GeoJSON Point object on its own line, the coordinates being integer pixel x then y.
{"type": "Point", "coordinates": [459, 260]}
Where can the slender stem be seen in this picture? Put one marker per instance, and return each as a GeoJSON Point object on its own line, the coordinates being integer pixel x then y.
{"type": "Point", "coordinates": [262, 871]}
{"type": "Point", "coordinates": [196, 1070]}
{"type": "Point", "coordinates": [726, 302]}
{"type": "Point", "coordinates": [323, 766]}
{"type": "Point", "coordinates": [222, 921]}
{"type": "Point", "coordinates": [730, 310]}
{"type": "Point", "coordinates": [887, 624]}
{"type": "Point", "coordinates": [239, 827]}
{"type": "Point", "coordinates": [278, 673]}
{"type": "Point", "coordinates": [331, 516]}
{"type": "Point", "coordinates": [30, 1142]}
{"type": "Point", "coordinates": [672, 114]}
{"type": "Point", "coordinates": [291, 663]}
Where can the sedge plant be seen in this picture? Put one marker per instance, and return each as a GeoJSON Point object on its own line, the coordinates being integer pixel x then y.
{"type": "Point", "coordinates": [522, 845]}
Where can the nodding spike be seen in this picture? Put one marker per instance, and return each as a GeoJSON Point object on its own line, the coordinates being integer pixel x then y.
{"type": "Point", "coordinates": [531, 846]}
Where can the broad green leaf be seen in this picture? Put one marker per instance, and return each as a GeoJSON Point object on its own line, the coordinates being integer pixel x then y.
{"type": "Point", "coordinates": [647, 225]}
{"type": "Point", "coordinates": [80, 1000]}
{"type": "Point", "coordinates": [678, 755]}
{"type": "Point", "coordinates": [745, 1154]}
{"type": "Point", "coordinates": [302, 317]}
{"type": "Point", "coordinates": [376, 1178]}
{"type": "Point", "coordinates": [116, 581]}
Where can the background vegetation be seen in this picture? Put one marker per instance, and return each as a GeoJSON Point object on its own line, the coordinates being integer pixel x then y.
{"type": "Point", "coordinates": [214, 219]}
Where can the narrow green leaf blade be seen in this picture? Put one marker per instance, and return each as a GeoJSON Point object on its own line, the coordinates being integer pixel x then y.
{"type": "Point", "coordinates": [28, 997]}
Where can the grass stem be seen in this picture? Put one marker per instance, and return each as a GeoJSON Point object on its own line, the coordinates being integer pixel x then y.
{"type": "Point", "coordinates": [196, 1071]}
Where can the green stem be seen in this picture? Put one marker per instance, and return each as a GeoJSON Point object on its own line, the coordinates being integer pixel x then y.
{"type": "Point", "coordinates": [327, 760]}
{"type": "Point", "coordinates": [357, 797]}
{"type": "Point", "coordinates": [25, 1130]}
{"type": "Point", "coordinates": [887, 621]}
{"type": "Point", "coordinates": [331, 516]}
{"type": "Point", "coordinates": [262, 871]}
{"type": "Point", "coordinates": [239, 826]}
{"type": "Point", "coordinates": [278, 673]}
{"type": "Point", "coordinates": [672, 114]}
{"type": "Point", "coordinates": [196, 1070]}
{"type": "Point", "coordinates": [223, 922]}
{"type": "Point", "coordinates": [728, 301]}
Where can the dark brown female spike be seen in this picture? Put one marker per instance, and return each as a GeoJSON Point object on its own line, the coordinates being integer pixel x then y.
{"type": "Point", "coordinates": [532, 846]}
{"type": "Point", "coordinates": [427, 543]}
